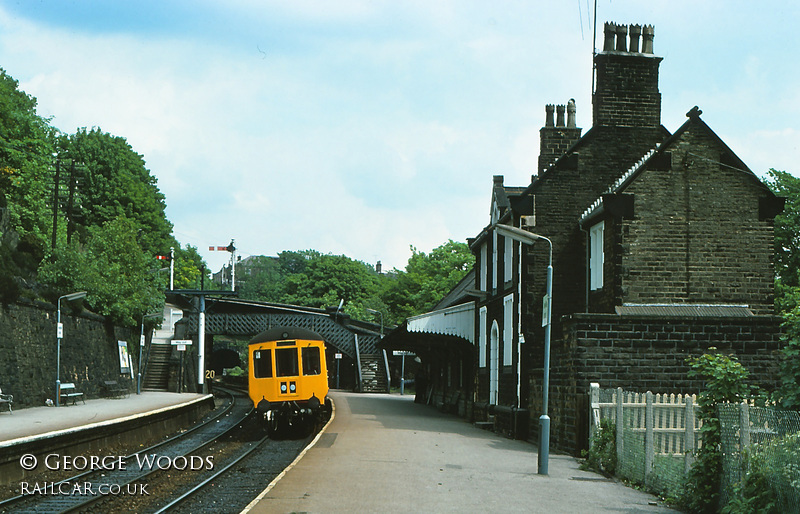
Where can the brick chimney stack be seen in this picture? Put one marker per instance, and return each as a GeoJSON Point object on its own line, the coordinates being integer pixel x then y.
{"type": "Point", "coordinates": [626, 94]}
{"type": "Point", "coordinates": [557, 137]}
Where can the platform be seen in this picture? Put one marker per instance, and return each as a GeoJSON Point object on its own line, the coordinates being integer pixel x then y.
{"type": "Point", "coordinates": [93, 427]}
{"type": "Point", "coordinates": [36, 422]}
{"type": "Point", "coordinates": [385, 453]}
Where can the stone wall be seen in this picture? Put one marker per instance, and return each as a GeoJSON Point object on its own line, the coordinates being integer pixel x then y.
{"type": "Point", "coordinates": [642, 354]}
{"type": "Point", "coordinates": [697, 235]}
{"type": "Point", "coordinates": [28, 347]}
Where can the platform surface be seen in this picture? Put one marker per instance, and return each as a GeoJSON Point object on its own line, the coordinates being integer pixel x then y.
{"type": "Point", "coordinates": [385, 453]}
{"type": "Point", "coordinates": [35, 422]}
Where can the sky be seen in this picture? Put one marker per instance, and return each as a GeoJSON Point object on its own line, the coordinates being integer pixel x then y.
{"type": "Point", "coordinates": [365, 127]}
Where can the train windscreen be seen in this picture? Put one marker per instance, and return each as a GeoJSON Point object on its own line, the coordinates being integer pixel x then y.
{"type": "Point", "coordinates": [311, 362]}
{"type": "Point", "coordinates": [286, 362]}
{"type": "Point", "coordinates": [262, 364]}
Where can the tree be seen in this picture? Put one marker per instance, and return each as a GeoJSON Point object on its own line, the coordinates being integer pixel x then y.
{"type": "Point", "coordinates": [427, 279]}
{"type": "Point", "coordinates": [327, 279]}
{"type": "Point", "coordinates": [112, 267]}
{"type": "Point", "coordinates": [114, 182]}
{"type": "Point", "coordinates": [787, 227]}
{"type": "Point", "coordinates": [262, 280]}
{"type": "Point", "coordinates": [26, 144]}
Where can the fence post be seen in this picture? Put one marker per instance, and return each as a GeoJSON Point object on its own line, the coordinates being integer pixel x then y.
{"type": "Point", "coordinates": [689, 438]}
{"type": "Point", "coordinates": [594, 411]}
{"type": "Point", "coordinates": [744, 425]}
{"type": "Point", "coordinates": [620, 423]}
{"type": "Point", "coordinates": [648, 437]}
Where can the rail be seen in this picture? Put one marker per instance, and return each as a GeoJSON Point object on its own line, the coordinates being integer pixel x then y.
{"type": "Point", "coordinates": [181, 444]}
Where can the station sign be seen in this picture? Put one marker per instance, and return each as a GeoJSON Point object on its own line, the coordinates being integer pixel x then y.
{"type": "Point", "coordinates": [338, 356]}
{"type": "Point", "coordinates": [400, 353]}
{"type": "Point", "coordinates": [181, 344]}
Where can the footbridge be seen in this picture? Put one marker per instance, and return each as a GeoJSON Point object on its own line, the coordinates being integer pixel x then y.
{"type": "Point", "coordinates": [355, 342]}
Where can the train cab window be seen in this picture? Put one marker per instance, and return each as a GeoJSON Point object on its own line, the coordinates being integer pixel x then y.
{"type": "Point", "coordinates": [262, 364]}
{"type": "Point", "coordinates": [286, 362]}
{"type": "Point", "coordinates": [311, 363]}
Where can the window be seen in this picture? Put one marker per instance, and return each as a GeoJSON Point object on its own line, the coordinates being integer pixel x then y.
{"type": "Point", "coordinates": [508, 330]}
{"type": "Point", "coordinates": [596, 256]}
{"type": "Point", "coordinates": [508, 258]}
{"type": "Point", "coordinates": [311, 362]}
{"type": "Point", "coordinates": [262, 364]}
{"type": "Point", "coordinates": [286, 362]}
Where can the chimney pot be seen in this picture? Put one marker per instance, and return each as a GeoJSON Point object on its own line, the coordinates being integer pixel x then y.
{"type": "Point", "coordinates": [610, 34]}
{"type": "Point", "coordinates": [635, 32]}
{"type": "Point", "coordinates": [622, 34]}
{"type": "Point", "coordinates": [648, 33]}
{"type": "Point", "coordinates": [549, 109]}
{"type": "Point", "coordinates": [571, 113]}
{"type": "Point", "coordinates": [560, 115]}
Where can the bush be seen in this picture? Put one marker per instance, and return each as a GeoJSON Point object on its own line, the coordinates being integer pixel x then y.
{"type": "Point", "coordinates": [602, 454]}
{"type": "Point", "coordinates": [724, 378]}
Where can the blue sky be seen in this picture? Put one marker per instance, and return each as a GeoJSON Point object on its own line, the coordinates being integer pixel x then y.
{"type": "Point", "coordinates": [364, 127]}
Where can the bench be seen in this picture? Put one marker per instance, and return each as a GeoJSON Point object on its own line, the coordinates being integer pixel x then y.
{"type": "Point", "coordinates": [68, 391]}
{"type": "Point", "coordinates": [7, 400]}
{"type": "Point", "coordinates": [114, 389]}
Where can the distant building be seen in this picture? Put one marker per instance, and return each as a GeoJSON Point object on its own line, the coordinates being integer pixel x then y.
{"type": "Point", "coordinates": [662, 248]}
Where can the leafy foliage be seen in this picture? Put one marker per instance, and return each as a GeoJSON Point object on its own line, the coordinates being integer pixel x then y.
{"type": "Point", "coordinates": [113, 181]}
{"type": "Point", "coordinates": [787, 285]}
{"type": "Point", "coordinates": [754, 494]}
{"type": "Point", "coordinates": [119, 283]}
{"type": "Point", "coordinates": [787, 227]}
{"type": "Point", "coordinates": [428, 278]}
{"type": "Point", "coordinates": [602, 453]}
{"type": "Point", "coordinates": [725, 381]}
{"type": "Point", "coordinates": [314, 279]}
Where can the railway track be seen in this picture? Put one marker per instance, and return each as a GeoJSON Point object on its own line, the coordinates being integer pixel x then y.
{"type": "Point", "coordinates": [123, 478]}
{"type": "Point", "coordinates": [244, 462]}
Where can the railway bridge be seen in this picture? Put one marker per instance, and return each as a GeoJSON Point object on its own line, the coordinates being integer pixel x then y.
{"type": "Point", "coordinates": [353, 356]}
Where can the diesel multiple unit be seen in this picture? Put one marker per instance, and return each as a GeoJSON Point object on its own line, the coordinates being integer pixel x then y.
{"type": "Point", "coordinates": [288, 379]}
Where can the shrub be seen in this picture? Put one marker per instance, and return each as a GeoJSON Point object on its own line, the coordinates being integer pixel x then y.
{"type": "Point", "coordinates": [602, 454]}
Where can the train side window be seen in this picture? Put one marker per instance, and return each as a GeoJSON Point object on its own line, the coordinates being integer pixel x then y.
{"type": "Point", "coordinates": [286, 362]}
{"type": "Point", "coordinates": [262, 364]}
{"type": "Point", "coordinates": [311, 363]}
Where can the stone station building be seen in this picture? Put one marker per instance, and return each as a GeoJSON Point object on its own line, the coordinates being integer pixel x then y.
{"type": "Point", "coordinates": [662, 247]}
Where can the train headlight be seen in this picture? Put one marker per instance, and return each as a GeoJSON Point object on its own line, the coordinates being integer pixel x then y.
{"type": "Point", "coordinates": [283, 387]}
{"type": "Point", "coordinates": [292, 387]}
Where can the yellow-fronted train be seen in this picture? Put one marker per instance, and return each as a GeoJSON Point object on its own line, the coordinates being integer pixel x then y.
{"type": "Point", "coordinates": [288, 380]}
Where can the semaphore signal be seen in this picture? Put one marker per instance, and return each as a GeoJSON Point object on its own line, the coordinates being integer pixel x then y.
{"type": "Point", "coordinates": [232, 249]}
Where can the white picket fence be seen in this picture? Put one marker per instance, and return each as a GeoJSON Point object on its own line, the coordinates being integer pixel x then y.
{"type": "Point", "coordinates": [667, 422]}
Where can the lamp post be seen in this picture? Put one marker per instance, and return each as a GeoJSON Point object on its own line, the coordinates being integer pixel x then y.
{"type": "Point", "coordinates": [60, 335]}
{"type": "Point", "coordinates": [141, 346]}
{"type": "Point", "coordinates": [523, 236]}
{"type": "Point", "coordinates": [373, 311]}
